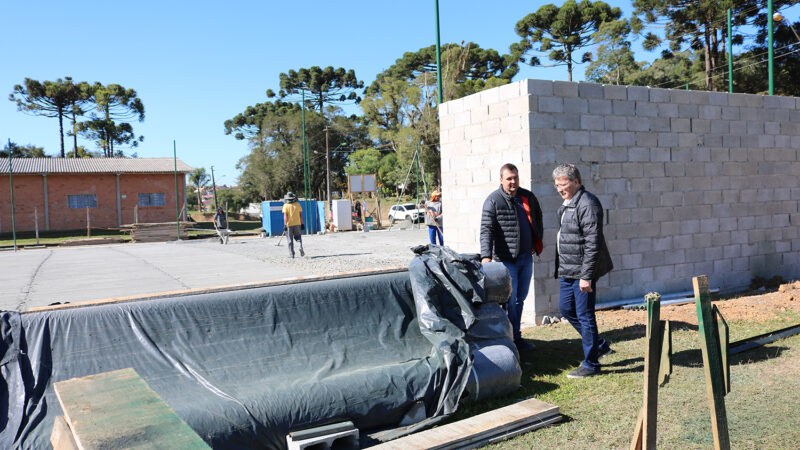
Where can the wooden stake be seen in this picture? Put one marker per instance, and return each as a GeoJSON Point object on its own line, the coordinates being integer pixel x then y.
{"type": "Point", "coordinates": [721, 325]}
{"type": "Point", "coordinates": [135, 213]}
{"type": "Point", "coordinates": [88, 224]}
{"type": "Point", "coordinates": [712, 362]}
{"type": "Point", "coordinates": [652, 364]}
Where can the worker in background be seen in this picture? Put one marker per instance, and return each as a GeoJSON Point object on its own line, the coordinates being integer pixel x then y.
{"type": "Point", "coordinates": [433, 218]}
{"type": "Point", "coordinates": [221, 225]}
{"type": "Point", "coordinates": [293, 225]}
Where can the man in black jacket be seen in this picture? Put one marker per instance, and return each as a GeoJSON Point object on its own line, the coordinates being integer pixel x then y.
{"type": "Point", "coordinates": [511, 230]}
{"type": "Point", "coordinates": [582, 257]}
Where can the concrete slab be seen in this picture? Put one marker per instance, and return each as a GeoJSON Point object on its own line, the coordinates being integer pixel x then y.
{"type": "Point", "coordinates": [39, 277]}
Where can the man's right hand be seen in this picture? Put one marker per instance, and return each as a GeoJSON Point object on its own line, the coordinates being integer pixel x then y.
{"type": "Point", "coordinates": [485, 260]}
{"type": "Point", "coordinates": [285, 228]}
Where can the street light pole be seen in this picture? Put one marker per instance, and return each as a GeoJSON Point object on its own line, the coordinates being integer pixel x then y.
{"type": "Point", "coordinates": [769, 45]}
{"type": "Point", "coordinates": [439, 54]}
{"type": "Point", "coordinates": [328, 171]}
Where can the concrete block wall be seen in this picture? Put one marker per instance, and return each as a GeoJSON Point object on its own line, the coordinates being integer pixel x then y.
{"type": "Point", "coordinates": [693, 182]}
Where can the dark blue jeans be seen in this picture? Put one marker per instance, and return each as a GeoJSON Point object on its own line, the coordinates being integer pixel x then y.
{"type": "Point", "coordinates": [432, 233]}
{"type": "Point", "coordinates": [578, 308]}
{"type": "Point", "coordinates": [521, 272]}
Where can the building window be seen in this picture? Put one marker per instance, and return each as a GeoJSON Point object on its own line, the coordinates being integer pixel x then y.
{"type": "Point", "coordinates": [81, 201]}
{"type": "Point", "coordinates": [151, 199]}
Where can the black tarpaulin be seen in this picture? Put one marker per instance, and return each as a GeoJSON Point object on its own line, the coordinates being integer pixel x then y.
{"type": "Point", "coordinates": [245, 367]}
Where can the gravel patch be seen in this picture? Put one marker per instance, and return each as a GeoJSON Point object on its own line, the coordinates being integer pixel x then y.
{"type": "Point", "coordinates": [332, 252]}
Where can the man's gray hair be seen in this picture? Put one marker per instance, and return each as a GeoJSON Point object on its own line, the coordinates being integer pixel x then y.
{"type": "Point", "coordinates": [567, 170]}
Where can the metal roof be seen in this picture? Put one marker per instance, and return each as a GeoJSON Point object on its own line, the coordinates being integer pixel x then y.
{"type": "Point", "coordinates": [93, 165]}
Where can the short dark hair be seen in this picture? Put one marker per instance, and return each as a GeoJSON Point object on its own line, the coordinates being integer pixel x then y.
{"type": "Point", "coordinates": [508, 166]}
{"type": "Point", "coordinates": [567, 170]}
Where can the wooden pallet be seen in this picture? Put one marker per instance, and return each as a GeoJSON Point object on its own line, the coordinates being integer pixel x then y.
{"type": "Point", "coordinates": [483, 429]}
{"type": "Point", "coordinates": [158, 232]}
{"type": "Point", "coordinates": [119, 410]}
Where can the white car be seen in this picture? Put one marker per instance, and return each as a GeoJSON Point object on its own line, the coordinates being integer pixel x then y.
{"type": "Point", "coordinates": [406, 211]}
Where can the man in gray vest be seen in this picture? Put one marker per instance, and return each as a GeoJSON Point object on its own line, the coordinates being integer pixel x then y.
{"type": "Point", "coordinates": [511, 230]}
{"type": "Point", "coordinates": [582, 257]}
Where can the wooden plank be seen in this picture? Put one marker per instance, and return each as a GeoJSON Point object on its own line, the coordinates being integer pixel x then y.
{"type": "Point", "coordinates": [223, 288]}
{"type": "Point", "coordinates": [118, 409]}
{"type": "Point", "coordinates": [666, 355]}
{"type": "Point", "coordinates": [652, 364]}
{"type": "Point", "coordinates": [712, 363]}
{"type": "Point", "coordinates": [636, 442]}
{"type": "Point", "coordinates": [721, 325]}
{"type": "Point", "coordinates": [491, 426]}
{"type": "Point", "coordinates": [61, 437]}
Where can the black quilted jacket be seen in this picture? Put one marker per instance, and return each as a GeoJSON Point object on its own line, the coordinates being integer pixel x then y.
{"type": "Point", "coordinates": [500, 227]}
{"type": "Point", "coordinates": [581, 252]}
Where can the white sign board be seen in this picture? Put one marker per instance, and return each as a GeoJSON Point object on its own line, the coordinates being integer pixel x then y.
{"type": "Point", "coordinates": [355, 183]}
{"type": "Point", "coordinates": [362, 183]}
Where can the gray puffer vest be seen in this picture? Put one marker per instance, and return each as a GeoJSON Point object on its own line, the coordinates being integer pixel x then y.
{"type": "Point", "coordinates": [500, 238]}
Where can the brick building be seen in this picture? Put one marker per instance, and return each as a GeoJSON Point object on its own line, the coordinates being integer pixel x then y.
{"type": "Point", "coordinates": [58, 191]}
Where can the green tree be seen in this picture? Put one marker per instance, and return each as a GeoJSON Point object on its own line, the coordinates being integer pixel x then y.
{"type": "Point", "coordinates": [247, 124]}
{"type": "Point", "coordinates": [234, 199]}
{"type": "Point", "coordinates": [49, 99]}
{"type": "Point", "coordinates": [751, 74]}
{"type": "Point", "coordinates": [325, 86]}
{"type": "Point", "coordinates": [22, 151]}
{"type": "Point", "coordinates": [562, 31]}
{"type": "Point", "coordinates": [83, 153]}
{"type": "Point", "coordinates": [466, 69]}
{"type": "Point", "coordinates": [113, 106]}
{"type": "Point", "coordinates": [614, 58]}
{"type": "Point", "coordinates": [199, 179]}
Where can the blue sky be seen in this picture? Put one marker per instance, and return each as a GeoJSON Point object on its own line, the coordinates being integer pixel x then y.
{"type": "Point", "coordinates": [196, 64]}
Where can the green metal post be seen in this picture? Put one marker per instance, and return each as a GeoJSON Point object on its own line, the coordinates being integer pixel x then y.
{"type": "Point", "coordinates": [11, 179]}
{"type": "Point", "coordinates": [770, 50]}
{"type": "Point", "coordinates": [175, 166]}
{"type": "Point", "coordinates": [730, 55]}
{"type": "Point", "coordinates": [438, 54]}
{"type": "Point", "coordinates": [305, 177]}
{"type": "Point", "coordinates": [416, 155]}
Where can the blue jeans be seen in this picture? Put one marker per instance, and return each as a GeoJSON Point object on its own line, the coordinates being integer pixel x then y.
{"type": "Point", "coordinates": [578, 308]}
{"type": "Point", "coordinates": [432, 233]}
{"type": "Point", "coordinates": [521, 272]}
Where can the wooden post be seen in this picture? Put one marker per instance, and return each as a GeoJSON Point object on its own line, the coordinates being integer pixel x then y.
{"type": "Point", "coordinates": [88, 224]}
{"type": "Point", "coordinates": [652, 364]}
{"type": "Point", "coordinates": [135, 213]}
{"type": "Point", "coordinates": [36, 223]}
{"type": "Point", "coordinates": [712, 362]}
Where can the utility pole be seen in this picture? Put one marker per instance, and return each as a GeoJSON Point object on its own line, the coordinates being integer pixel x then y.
{"type": "Point", "coordinates": [328, 171]}
{"type": "Point", "coordinates": [214, 186]}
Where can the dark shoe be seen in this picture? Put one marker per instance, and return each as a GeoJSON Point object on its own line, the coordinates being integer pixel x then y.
{"type": "Point", "coordinates": [583, 372]}
{"type": "Point", "coordinates": [302, 253]}
{"type": "Point", "coordinates": [603, 354]}
{"type": "Point", "coordinates": [524, 346]}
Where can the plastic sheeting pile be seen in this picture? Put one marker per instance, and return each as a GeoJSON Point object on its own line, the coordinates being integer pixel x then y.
{"type": "Point", "coordinates": [243, 368]}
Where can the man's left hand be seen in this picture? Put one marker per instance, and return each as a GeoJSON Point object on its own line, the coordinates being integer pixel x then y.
{"type": "Point", "coordinates": [586, 286]}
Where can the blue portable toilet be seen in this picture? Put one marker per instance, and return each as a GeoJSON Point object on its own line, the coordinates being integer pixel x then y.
{"type": "Point", "coordinates": [272, 218]}
{"type": "Point", "coordinates": [311, 215]}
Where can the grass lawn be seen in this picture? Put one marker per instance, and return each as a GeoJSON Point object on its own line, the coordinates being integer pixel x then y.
{"type": "Point", "coordinates": [56, 237]}
{"type": "Point", "coordinates": [763, 407]}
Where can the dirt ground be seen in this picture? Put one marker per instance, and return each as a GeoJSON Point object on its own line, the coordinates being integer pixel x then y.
{"type": "Point", "coordinates": [755, 307]}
